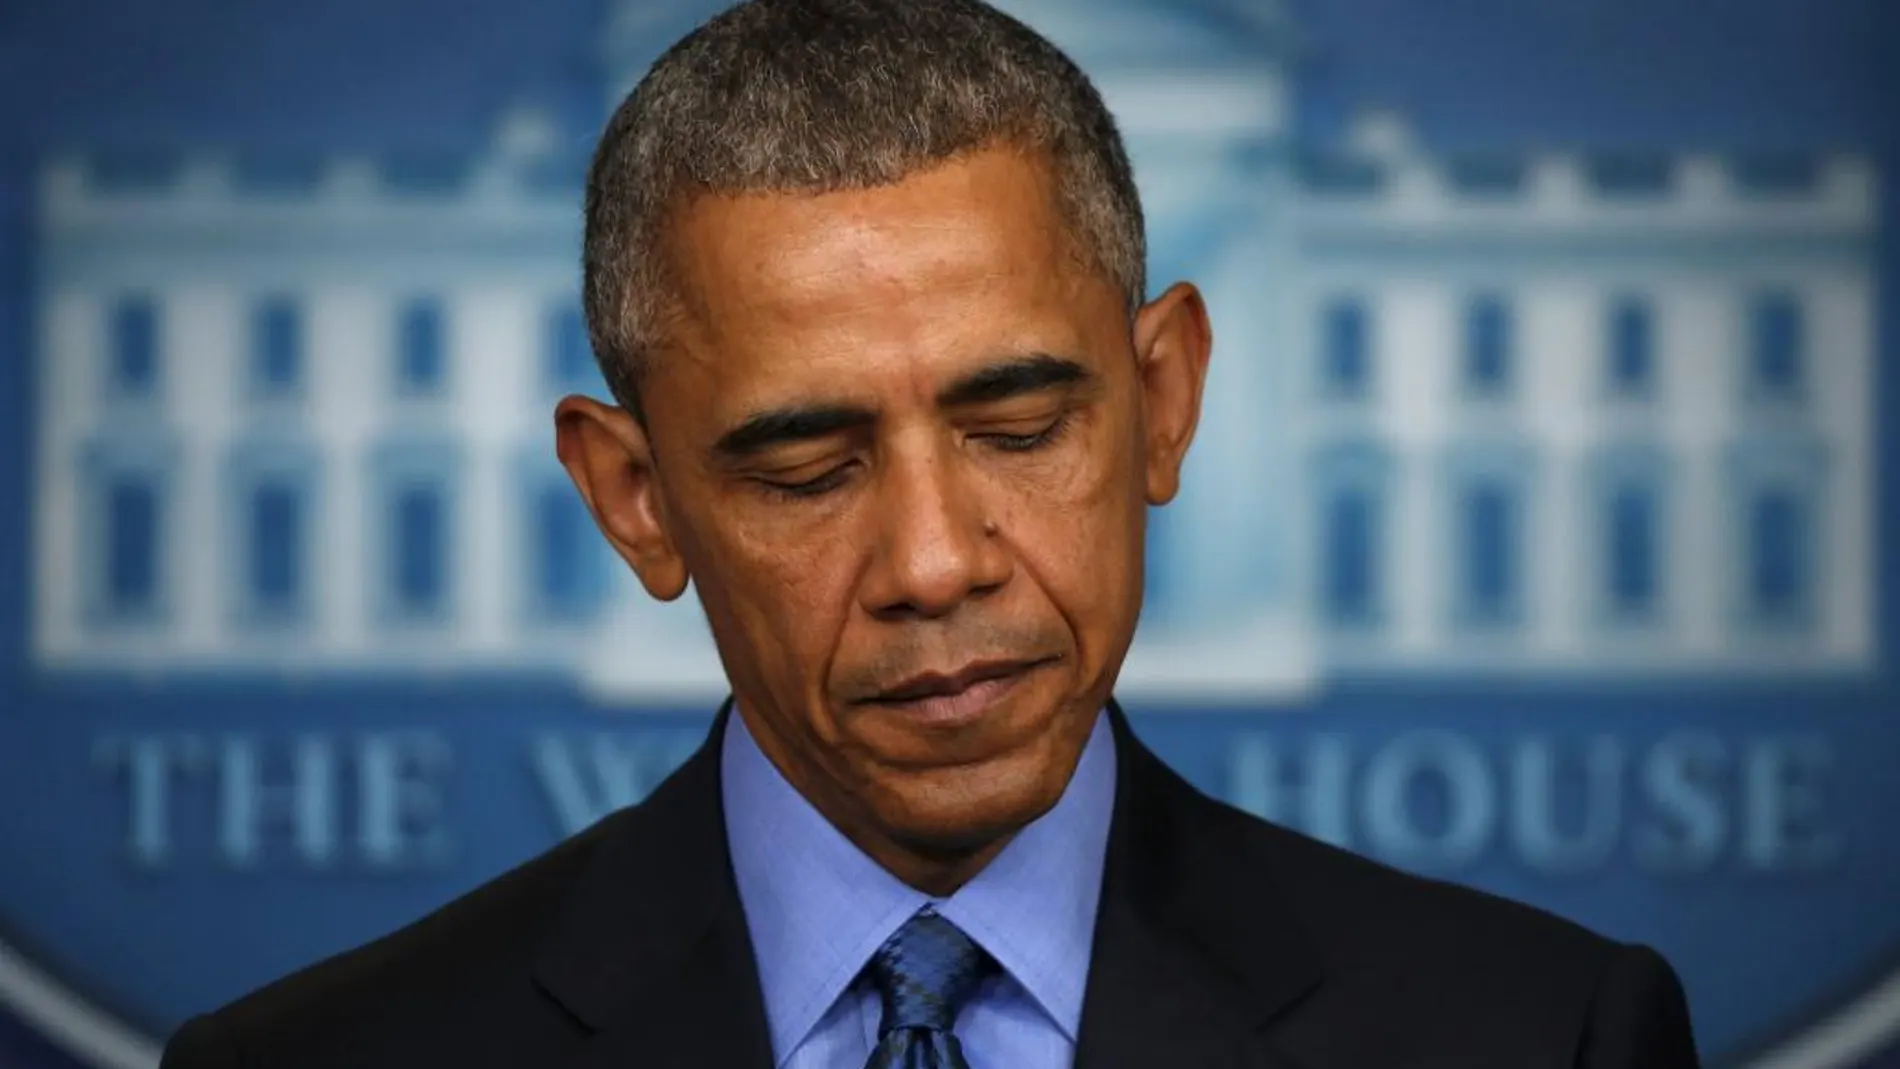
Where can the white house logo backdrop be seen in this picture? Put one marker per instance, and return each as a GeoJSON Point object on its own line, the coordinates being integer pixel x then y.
{"type": "Point", "coordinates": [1530, 539]}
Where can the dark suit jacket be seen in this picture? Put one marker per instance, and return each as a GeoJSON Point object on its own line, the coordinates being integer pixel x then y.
{"type": "Point", "coordinates": [1222, 941]}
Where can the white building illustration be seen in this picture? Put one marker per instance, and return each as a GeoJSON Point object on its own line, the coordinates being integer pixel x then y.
{"type": "Point", "coordinates": [1608, 412]}
{"type": "Point", "coordinates": [1539, 412]}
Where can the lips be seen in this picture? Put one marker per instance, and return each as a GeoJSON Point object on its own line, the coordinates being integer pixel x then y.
{"type": "Point", "coordinates": [928, 685]}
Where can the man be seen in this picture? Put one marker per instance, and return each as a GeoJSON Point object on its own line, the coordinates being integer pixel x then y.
{"type": "Point", "coordinates": [866, 277]}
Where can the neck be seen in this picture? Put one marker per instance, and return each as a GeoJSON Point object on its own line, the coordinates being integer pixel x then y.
{"type": "Point", "coordinates": [936, 873]}
{"type": "Point", "coordinates": [937, 868]}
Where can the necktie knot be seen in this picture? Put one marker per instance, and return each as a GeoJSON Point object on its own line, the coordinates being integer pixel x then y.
{"type": "Point", "coordinates": [925, 973]}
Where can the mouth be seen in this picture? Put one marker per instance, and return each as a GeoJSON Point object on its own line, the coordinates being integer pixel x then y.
{"type": "Point", "coordinates": [948, 698]}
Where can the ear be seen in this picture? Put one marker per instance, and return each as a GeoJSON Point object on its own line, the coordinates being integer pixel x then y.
{"type": "Point", "coordinates": [606, 453]}
{"type": "Point", "coordinates": [1172, 343]}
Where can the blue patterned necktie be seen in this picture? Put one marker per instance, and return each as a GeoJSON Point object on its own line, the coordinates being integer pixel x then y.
{"type": "Point", "coordinates": [924, 974]}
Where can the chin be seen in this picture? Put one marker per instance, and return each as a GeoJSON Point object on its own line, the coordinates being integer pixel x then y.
{"type": "Point", "coordinates": [964, 808]}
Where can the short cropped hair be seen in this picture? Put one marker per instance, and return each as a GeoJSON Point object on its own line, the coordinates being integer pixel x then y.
{"type": "Point", "coordinates": [824, 95]}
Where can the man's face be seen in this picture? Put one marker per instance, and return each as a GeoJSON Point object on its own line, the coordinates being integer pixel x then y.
{"type": "Point", "coordinates": [902, 440]}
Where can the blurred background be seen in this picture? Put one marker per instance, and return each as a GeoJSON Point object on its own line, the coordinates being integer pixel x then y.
{"type": "Point", "coordinates": [1536, 536]}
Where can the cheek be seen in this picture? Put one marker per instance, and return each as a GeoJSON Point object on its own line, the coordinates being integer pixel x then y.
{"type": "Point", "coordinates": [790, 594]}
{"type": "Point", "coordinates": [1076, 524]}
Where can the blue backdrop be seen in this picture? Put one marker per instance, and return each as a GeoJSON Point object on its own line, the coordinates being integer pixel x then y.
{"type": "Point", "coordinates": [1537, 535]}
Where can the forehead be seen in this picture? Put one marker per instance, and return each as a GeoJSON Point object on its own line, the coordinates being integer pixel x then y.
{"type": "Point", "coordinates": [958, 263]}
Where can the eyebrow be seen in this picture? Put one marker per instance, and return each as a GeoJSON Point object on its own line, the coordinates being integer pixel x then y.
{"type": "Point", "coordinates": [1012, 378]}
{"type": "Point", "coordinates": [764, 430]}
{"type": "Point", "coordinates": [993, 382]}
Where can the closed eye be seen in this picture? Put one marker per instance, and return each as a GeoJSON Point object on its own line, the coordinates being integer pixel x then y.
{"type": "Point", "coordinates": [1023, 443]}
{"type": "Point", "coordinates": [835, 477]}
{"type": "Point", "coordinates": [823, 483]}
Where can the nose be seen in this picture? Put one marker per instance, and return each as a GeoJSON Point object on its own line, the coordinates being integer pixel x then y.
{"type": "Point", "coordinates": [935, 547]}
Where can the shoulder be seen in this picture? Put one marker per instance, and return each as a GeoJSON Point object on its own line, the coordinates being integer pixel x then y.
{"type": "Point", "coordinates": [470, 957]}
{"type": "Point", "coordinates": [1366, 913]}
{"type": "Point", "coordinates": [1445, 967]}
{"type": "Point", "coordinates": [1357, 914]}
{"type": "Point", "coordinates": [1441, 968]}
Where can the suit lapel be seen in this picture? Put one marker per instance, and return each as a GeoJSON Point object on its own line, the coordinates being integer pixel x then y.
{"type": "Point", "coordinates": [707, 1014]}
{"type": "Point", "coordinates": [651, 954]}
{"type": "Point", "coordinates": [1195, 952]}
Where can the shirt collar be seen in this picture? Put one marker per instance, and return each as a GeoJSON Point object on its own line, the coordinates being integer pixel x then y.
{"type": "Point", "coordinates": [817, 907]}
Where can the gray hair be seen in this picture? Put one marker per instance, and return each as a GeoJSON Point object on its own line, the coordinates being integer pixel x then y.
{"type": "Point", "coordinates": [826, 95]}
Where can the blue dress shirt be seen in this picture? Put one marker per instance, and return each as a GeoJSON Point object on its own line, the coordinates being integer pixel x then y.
{"type": "Point", "coordinates": [817, 908]}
